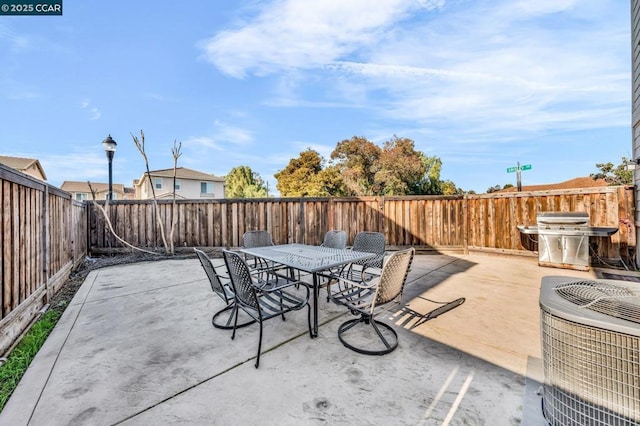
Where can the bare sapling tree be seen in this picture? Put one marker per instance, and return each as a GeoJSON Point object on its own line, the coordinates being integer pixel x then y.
{"type": "Point", "coordinates": [140, 145]}
{"type": "Point", "coordinates": [175, 151]}
{"type": "Point", "coordinates": [105, 212]}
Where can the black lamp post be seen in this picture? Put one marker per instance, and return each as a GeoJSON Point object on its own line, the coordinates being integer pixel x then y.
{"type": "Point", "coordinates": [110, 148]}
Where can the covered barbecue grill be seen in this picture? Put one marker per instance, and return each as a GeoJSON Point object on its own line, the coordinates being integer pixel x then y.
{"type": "Point", "coordinates": [563, 238]}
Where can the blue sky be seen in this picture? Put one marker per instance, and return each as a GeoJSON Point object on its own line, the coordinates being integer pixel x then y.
{"type": "Point", "coordinates": [481, 84]}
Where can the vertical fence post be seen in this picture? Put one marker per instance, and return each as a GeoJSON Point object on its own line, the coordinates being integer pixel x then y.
{"type": "Point", "coordinates": [382, 217]}
{"type": "Point", "coordinates": [330, 213]}
{"type": "Point", "coordinates": [87, 213]}
{"type": "Point", "coordinates": [46, 242]}
{"type": "Point", "coordinates": [465, 224]}
{"type": "Point", "coordinates": [301, 220]}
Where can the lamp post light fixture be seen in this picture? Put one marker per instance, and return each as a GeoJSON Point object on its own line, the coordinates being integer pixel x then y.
{"type": "Point", "coordinates": [110, 148]}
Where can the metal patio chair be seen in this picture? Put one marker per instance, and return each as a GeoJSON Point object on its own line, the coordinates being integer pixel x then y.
{"type": "Point", "coordinates": [364, 298]}
{"type": "Point", "coordinates": [335, 239]}
{"type": "Point", "coordinates": [370, 242]}
{"type": "Point", "coordinates": [257, 239]}
{"type": "Point", "coordinates": [222, 289]}
{"type": "Point", "coordinates": [262, 304]}
{"type": "Point", "coordinates": [260, 238]}
{"type": "Point", "coordinates": [251, 239]}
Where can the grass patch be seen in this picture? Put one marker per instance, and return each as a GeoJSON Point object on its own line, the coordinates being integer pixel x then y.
{"type": "Point", "coordinates": [12, 371]}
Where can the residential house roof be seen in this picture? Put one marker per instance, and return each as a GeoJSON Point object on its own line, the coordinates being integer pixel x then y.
{"type": "Point", "coordinates": [73, 186]}
{"type": "Point", "coordinates": [22, 164]}
{"type": "Point", "coordinates": [182, 173]}
{"type": "Point", "coordinates": [579, 182]}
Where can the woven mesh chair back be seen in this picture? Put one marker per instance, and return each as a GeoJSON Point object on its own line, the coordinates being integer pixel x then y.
{"type": "Point", "coordinates": [394, 276]}
{"type": "Point", "coordinates": [371, 242]}
{"type": "Point", "coordinates": [214, 278]}
{"type": "Point", "coordinates": [252, 239]}
{"type": "Point", "coordinates": [335, 239]}
{"type": "Point", "coordinates": [241, 280]}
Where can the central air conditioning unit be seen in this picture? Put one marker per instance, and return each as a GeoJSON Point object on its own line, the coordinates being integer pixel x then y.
{"type": "Point", "coordinates": [590, 351]}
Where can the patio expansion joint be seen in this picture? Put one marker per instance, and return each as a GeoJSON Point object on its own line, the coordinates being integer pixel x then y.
{"type": "Point", "coordinates": [221, 373]}
{"type": "Point", "coordinates": [134, 293]}
{"type": "Point", "coordinates": [187, 389]}
{"type": "Point", "coordinates": [57, 357]}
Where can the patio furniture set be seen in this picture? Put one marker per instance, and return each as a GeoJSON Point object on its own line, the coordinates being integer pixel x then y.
{"type": "Point", "coordinates": [264, 281]}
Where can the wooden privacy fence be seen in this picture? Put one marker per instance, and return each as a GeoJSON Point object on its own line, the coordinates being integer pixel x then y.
{"type": "Point", "coordinates": [492, 218]}
{"type": "Point", "coordinates": [425, 222]}
{"type": "Point", "coordinates": [430, 223]}
{"type": "Point", "coordinates": [42, 234]}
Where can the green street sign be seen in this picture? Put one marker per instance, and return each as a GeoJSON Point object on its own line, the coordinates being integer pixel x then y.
{"type": "Point", "coordinates": [515, 169]}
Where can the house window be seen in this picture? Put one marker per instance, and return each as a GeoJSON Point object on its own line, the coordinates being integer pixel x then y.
{"type": "Point", "coordinates": [206, 187]}
{"type": "Point", "coordinates": [157, 183]}
{"type": "Point", "coordinates": [177, 185]}
{"type": "Point", "coordinates": [81, 196]}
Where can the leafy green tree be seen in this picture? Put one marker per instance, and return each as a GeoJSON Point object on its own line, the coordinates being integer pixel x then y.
{"type": "Point", "coordinates": [359, 168]}
{"type": "Point", "coordinates": [430, 183]}
{"type": "Point", "coordinates": [399, 168]}
{"type": "Point", "coordinates": [498, 188]}
{"type": "Point", "coordinates": [242, 182]}
{"type": "Point", "coordinates": [356, 161]}
{"type": "Point", "coordinates": [331, 183]}
{"type": "Point", "coordinates": [614, 175]}
{"type": "Point", "coordinates": [301, 176]}
{"type": "Point", "coordinates": [449, 188]}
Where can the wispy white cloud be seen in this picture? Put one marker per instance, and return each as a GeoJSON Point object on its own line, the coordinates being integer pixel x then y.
{"type": "Point", "coordinates": [288, 34]}
{"type": "Point", "coordinates": [214, 151]}
{"type": "Point", "coordinates": [76, 166]}
{"type": "Point", "coordinates": [25, 94]}
{"type": "Point", "coordinates": [232, 134]}
{"type": "Point", "coordinates": [94, 113]}
{"type": "Point", "coordinates": [222, 136]}
{"type": "Point", "coordinates": [498, 67]}
{"type": "Point", "coordinates": [16, 42]}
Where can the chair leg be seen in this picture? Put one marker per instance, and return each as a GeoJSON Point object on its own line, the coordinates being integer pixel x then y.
{"type": "Point", "coordinates": [235, 325]}
{"type": "Point", "coordinates": [309, 320]}
{"type": "Point", "coordinates": [259, 346]}
{"type": "Point", "coordinates": [228, 325]}
{"type": "Point", "coordinates": [282, 309]}
{"type": "Point", "coordinates": [379, 333]}
{"type": "Point", "coordinates": [376, 325]}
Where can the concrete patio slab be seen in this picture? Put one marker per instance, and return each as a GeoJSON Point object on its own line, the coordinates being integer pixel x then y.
{"type": "Point", "coordinates": [136, 346]}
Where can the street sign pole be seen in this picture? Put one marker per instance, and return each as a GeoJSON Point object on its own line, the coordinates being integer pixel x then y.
{"type": "Point", "coordinates": [518, 170]}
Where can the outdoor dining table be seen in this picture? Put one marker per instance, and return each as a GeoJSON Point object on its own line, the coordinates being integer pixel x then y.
{"type": "Point", "coordinates": [309, 259]}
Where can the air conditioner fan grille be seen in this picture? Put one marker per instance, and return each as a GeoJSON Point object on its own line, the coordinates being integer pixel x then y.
{"type": "Point", "coordinates": [610, 299]}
